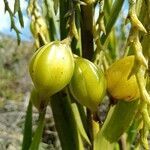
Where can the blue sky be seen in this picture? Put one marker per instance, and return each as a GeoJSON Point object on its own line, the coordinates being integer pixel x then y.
{"type": "Point", "coordinates": [26, 35]}
{"type": "Point", "coordinates": [5, 21]}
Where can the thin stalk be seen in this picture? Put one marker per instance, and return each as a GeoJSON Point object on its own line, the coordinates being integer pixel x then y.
{"type": "Point", "coordinates": [27, 136]}
{"type": "Point", "coordinates": [38, 133]}
{"type": "Point", "coordinates": [90, 126]}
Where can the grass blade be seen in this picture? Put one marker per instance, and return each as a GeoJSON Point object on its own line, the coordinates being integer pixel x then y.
{"type": "Point", "coordinates": [38, 133]}
{"type": "Point", "coordinates": [27, 136]}
{"type": "Point", "coordinates": [65, 121]}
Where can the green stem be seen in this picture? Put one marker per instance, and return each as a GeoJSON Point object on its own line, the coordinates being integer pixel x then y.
{"type": "Point", "coordinates": [27, 136]}
{"type": "Point", "coordinates": [65, 121]}
{"type": "Point", "coordinates": [38, 133]}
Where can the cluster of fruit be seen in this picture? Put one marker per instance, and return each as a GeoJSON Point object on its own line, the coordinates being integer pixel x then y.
{"type": "Point", "coordinates": [53, 67]}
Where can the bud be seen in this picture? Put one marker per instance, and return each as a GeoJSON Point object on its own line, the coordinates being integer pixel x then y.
{"type": "Point", "coordinates": [51, 67]}
{"type": "Point", "coordinates": [88, 84]}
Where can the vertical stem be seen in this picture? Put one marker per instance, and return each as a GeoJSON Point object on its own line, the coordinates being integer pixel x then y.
{"type": "Point", "coordinates": [64, 5]}
{"type": "Point", "coordinates": [27, 138]}
{"type": "Point", "coordinates": [65, 121]}
{"type": "Point", "coordinates": [39, 131]}
{"type": "Point", "coordinates": [87, 49]}
{"type": "Point", "coordinates": [87, 31]}
{"type": "Point", "coordinates": [90, 125]}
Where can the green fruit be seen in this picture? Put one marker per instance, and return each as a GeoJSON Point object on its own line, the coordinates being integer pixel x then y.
{"type": "Point", "coordinates": [119, 84]}
{"type": "Point", "coordinates": [89, 2]}
{"type": "Point", "coordinates": [51, 68]}
{"type": "Point", "coordinates": [35, 98]}
{"type": "Point", "coordinates": [88, 84]}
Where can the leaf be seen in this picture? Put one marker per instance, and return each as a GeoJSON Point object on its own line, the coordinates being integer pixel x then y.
{"type": "Point", "coordinates": [27, 136]}
{"type": "Point", "coordinates": [116, 8]}
{"type": "Point", "coordinates": [65, 121]}
{"type": "Point", "coordinates": [81, 144]}
{"type": "Point", "coordinates": [79, 123]}
{"type": "Point", "coordinates": [20, 18]}
{"type": "Point", "coordinates": [38, 133]}
{"type": "Point", "coordinates": [56, 6]}
{"type": "Point", "coordinates": [18, 9]}
{"type": "Point", "coordinates": [118, 120]}
{"type": "Point", "coordinates": [101, 142]}
{"type": "Point", "coordinates": [16, 6]}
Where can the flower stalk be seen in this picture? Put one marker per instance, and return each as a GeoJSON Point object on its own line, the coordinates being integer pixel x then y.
{"type": "Point", "coordinates": [141, 65]}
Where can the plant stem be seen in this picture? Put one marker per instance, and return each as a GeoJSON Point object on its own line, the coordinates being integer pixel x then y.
{"type": "Point", "coordinates": [38, 132]}
{"type": "Point", "coordinates": [64, 5]}
{"type": "Point", "coordinates": [27, 136]}
{"type": "Point", "coordinates": [87, 31]}
{"type": "Point", "coordinates": [65, 121]}
{"type": "Point", "coordinates": [87, 50]}
{"type": "Point", "coordinates": [90, 125]}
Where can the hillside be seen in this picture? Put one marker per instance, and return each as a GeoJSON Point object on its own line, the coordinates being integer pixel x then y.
{"type": "Point", "coordinates": [14, 90]}
{"type": "Point", "coordinates": [14, 77]}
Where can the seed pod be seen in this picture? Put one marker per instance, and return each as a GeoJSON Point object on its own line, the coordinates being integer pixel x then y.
{"type": "Point", "coordinates": [89, 2]}
{"type": "Point", "coordinates": [51, 68]}
{"type": "Point", "coordinates": [88, 83]}
{"type": "Point", "coordinates": [37, 101]}
{"type": "Point", "coordinates": [120, 85]}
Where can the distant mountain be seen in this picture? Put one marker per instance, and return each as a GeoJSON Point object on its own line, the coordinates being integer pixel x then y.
{"type": "Point", "coordinates": [14, 60]}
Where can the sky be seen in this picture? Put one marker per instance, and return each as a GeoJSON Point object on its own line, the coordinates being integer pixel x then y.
{"type": "Point", "coordinates": [25, 32]}
{"type": "Point", "coordinates": [5, 21]}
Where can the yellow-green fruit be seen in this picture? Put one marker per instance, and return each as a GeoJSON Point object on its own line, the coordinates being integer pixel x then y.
{"type": "Point", "coordinates": [51, 68]}
{"type": "Point", "coordinates": [120, 85]}
{"type": "Point", "coordinates": [88, 84]}
{"type": "Point", "coordinates": [38, 100]}
{"type": "Point", "coordinates": [35, 98]}
{"type": "Point", "coordinates": [89, 2]}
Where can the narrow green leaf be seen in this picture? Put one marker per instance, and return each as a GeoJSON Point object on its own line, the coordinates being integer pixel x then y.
{"type": "Point", "coordinates": [27, 136]}
{"type": "Point", "coordinates": [116, 8]}
{"type": "Point", "coordinates": [79, 123]}
{"type": "Point", "coordinates": [20, 16]}
{"type": "Point", "coordinates": [133, 130]}
{"type": "Point", "coordinates": [18, 9]}
{"type": "Point", "coordinates": [16, 6]}
{"type": "Point", "coordinates": [81, 143]}
{"type": "Point", "coordinates": [56, 6]}
{"type": "Point", "coordinates": [38, 133]}
{"type": "Point", "coordinates": [65, 121]}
